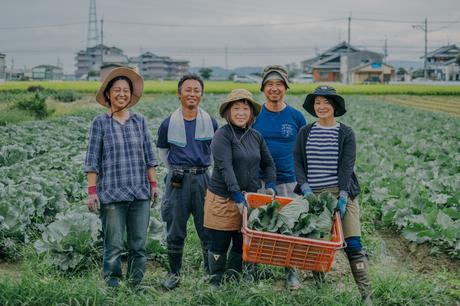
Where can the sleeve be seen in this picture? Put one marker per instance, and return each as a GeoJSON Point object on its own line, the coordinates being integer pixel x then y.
{"type": "Point", "coordinates": [147, 142]}
{"type": "Point", "coordinates": [164, 153]}
{"type": "Point", "coordinates": [347, 162]}
{"type": "Point", "coordinates": [299, 165]}
{"type": "Point", "coordinates": [266, 162]}
{"type": "Point", "coordinates": [162, 140]}
{"type": "Point", "coordinates": [301, 120]}
{"type": "Point", "coordinates": [94, 150]}
{"type": "Point", "coordinates": [221, 147]}
{"type": "Point", "coordinates": [215, 124]}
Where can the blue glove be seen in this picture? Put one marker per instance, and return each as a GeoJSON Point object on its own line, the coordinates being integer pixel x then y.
{"type": "Point", "coordinates": [270, 188]}
{"type": "Point", "coordinates": [237, 197]}
{"type": "Point", "coordinates": [342, 205]}
{"type": "Point", "coordinates": [306, 190]}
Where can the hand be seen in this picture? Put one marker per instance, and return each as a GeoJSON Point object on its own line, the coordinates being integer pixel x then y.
{"type": "Point", "coordinates": [306, 190]}
{"type": "Point", "coordinates": [237, 197]}
{"type": "Point", "coordinates": [241, 206]}
{"type": "Point", "coordinates": [342, 205]}
{"type": "Point", "coordinates": [93, 200]}
{"type": "Point", "coordinates": [154, 193]}
{"type": "Point", "coordinates": [270, 189]}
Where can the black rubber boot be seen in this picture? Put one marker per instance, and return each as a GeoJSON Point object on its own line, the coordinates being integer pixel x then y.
{"type": "Point", "coordinates": [217, 263]}
{"type": "Point", "coordinates": [292, 282]}
{"type": "Point", "coordinates": [175, 265]}
{"type": "Point", "coordinates": [234, 266]}
{"type": "Point", "coordinates": [206, 262]}
{"type": "Point", "coordinates": [359, 268]}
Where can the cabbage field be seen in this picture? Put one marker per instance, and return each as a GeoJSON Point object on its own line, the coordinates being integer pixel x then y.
{"type": "Point", "coordinates": [408, 163]}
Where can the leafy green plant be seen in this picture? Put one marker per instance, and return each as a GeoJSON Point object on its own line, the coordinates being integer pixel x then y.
{"type": "Point", "coordinates": [36, 104]}
{"type": "Point", "coordinates": [67, 95]}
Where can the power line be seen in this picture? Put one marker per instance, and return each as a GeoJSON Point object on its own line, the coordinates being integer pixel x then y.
{"type": "Point", "coordinates": [42, 26]}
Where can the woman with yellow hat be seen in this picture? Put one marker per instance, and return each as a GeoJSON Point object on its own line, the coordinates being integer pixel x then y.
{"type": "Point", "coordinates": [120, 166]}
{"type": "Point", "coordinates": [239, 153]}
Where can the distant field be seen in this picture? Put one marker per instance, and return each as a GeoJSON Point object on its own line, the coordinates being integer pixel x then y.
{"type": "Point", "coordinates": [225, 87]}
{"type": "Point", "coordinates": [442, 104]}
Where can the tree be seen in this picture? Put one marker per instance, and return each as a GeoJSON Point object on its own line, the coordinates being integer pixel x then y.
{"type": "Point", "coordinates": [419, 73]}
{"type": "Point", "coordinates": [205, 73]}
{"type": "Point", "coordinates": [401, 71]}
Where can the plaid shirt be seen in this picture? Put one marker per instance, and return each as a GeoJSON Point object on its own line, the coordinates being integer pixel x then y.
{"type": "Point", "coordinates": [120, 154]}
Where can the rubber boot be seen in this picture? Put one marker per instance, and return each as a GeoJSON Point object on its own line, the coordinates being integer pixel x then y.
{"type": "Point", "coordinates": [175, 265]}
{"type": "Point", "coordinates": [234, 266]}
{"type": "Point", "coordinates": [359, 268]}
{"type": "Point", "coordinates": [292, 282]}
{"type": "Point", "coordinates": [217, 263]}
{"type": "Point", "coordinates": [206, 262]}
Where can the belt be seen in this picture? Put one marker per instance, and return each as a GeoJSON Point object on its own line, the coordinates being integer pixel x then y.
{"type": "Point", "coordinates": [193, 171]}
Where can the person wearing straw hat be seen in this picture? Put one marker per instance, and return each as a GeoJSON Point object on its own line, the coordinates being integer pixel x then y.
{"type": "Point", "coordinates": [279, 124]}
{"type": "Point", "coordinates": [324, 156]}
{"type": "Point", "coordinates": [239, 153]}
{"type": "Point", "coordinates": [120, 166]}
{"type": "Point", "coordinates": [184, 140]}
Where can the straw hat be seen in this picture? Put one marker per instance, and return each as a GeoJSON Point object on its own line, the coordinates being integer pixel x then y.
{"type": "Point", "coordinates": [136, 80]}
{"type": "Point", "coordinates": [237, 95]}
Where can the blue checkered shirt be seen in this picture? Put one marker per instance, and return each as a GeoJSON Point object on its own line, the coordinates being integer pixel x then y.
{"type": "Point", "coordinates": [120, 154]}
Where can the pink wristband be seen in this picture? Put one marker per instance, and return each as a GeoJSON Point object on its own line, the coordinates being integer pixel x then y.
{"type": "Point", "coordinates": [153, 184]}
{"type": "Point", "coordinates": [91, 190]}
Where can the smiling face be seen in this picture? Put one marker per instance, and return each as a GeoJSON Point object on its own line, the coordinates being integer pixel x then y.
{"type": "Point", "coordinates": [190, 94]}
{"type": "Point", "coordinates": [274, 91]}
{"type": "Point", "coordinates": [323, 108]}
{"type": "Point", "coordinates": [240, 113]}
{"type": "Point", "coordinates": [119, 95]}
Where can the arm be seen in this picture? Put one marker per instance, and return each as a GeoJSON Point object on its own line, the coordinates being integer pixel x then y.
{"type": "Point", "coordinates": [266, 162]}
{"type": "Point", "coordinates": [221, 147]}
{"type": "Point", "coordinates": [162, 143]}
{"type": "Point", "coordinates": [94, 150]}
{"type": "Point", "coordinates": [347, 162]}
{"type": "Point", "coordinates": [150, 159]}
{"type": "Point", "coordinates": [299, 163]}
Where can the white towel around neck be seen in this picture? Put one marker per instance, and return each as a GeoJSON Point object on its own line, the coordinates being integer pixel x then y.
{"type": "Point", "coordinates": [204, 129]}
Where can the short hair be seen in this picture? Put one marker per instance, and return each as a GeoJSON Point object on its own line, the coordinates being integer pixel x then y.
{"type": "Point", "coordinates": [110, 85]}
{"type": "Point", "coordinates": [252, 118]}
{"type": "Point", "coordinates": [190, 77]}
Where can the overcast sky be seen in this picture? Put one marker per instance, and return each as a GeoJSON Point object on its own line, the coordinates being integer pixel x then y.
{"type": "Point", "coordinates": [250, 32]}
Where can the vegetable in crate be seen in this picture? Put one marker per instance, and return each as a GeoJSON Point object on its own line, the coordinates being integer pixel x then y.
{"type": "Point", "coordinates": [310, 217]}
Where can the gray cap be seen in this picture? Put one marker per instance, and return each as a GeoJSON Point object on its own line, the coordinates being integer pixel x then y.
{"type": "Point", "coordinates": [274, 72]}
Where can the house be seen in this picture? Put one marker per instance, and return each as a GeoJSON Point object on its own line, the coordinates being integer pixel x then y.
{"type": "Point", "coordinates": [47, 72]}
{"type": "Point", "coordinates": [2, 67]}
{"type": "Point", "coordinates": [442, 64]}
{"type": "Point", "coordinates": [152, 66]}
{"type": "Point", "coordinates": [368, 73]}
{"type": "Point", "coordinates": [89, 61]}
{"type": "Point", "coordinates": [106, 68]}
{"type": "Point", "coordinates": [338, 64]}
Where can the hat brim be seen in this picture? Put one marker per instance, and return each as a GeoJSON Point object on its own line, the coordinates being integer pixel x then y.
{"type": "Point", "coordinates": [136, 80]}
{"type": "Point", "coordinates": [339, 104]}
{"type": "Point", "coordinates": [256, 106]}
{"type": "Point", "coordinates": [283, 77]}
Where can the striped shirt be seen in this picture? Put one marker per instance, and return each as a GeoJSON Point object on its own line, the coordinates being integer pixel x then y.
{"type": "Point", "coordinates": [322, 150]}
{"type": "Point", "coordinates": [120, 154]}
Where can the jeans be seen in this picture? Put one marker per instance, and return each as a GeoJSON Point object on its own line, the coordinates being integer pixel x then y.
{"type": "Point", "coordinates": [115, 217]}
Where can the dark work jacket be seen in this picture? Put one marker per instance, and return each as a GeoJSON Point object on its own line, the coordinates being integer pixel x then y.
{"type": "Point", "coordinates": [346, 163]}
{"type": "Point", "coordinates": [239, 155]}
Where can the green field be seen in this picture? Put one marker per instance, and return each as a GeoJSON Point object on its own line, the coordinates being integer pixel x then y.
{"type": "Point", "coordinates": [225, 87]}
{"type": "Point", "coordinates": [407, 162]}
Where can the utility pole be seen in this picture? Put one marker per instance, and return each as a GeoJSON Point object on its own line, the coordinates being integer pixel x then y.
{"type": "Point", "coordinates": [425, 29]}
{"type": "Point", "coordinates": [349, 31]}
{"type": "Point", "coordinates": [385, 50]}
{"type": "Point", "coordinates": [102, 41]}
{"type": "Point", "coordinates": [347, 72]}
{"type": "Point", "coordinates": [226, 57]}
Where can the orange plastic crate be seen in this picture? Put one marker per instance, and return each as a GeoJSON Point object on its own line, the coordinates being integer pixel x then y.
{"type": "Point", "coordinates": [288, 251]}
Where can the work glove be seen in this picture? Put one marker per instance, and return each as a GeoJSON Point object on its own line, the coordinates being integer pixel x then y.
{"type": "Point", "coordinates": [93, 200]}
{"type": "Point", "coordinates": [270, 189]}
{"type": "Point", "coordinates": [342, 203]}
{"type": "Point", "coordinates": [154, 193]}
{"type": "Point", "coordinates": [306, 190]}
{"type": "Point", "coordinates": [240, 201]}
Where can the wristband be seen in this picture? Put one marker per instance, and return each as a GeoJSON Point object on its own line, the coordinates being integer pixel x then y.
{"type": "Point", "coordinates": [91, 190]}
{"type": "Point", "coordinates": [153, 184]}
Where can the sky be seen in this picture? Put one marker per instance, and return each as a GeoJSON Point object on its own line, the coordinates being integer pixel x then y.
{"type": "Point", "coordinates": [226, 33]}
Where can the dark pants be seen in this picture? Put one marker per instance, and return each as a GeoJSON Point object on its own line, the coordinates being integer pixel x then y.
{"type": "Point", "coordinates": [220, 241]}
{"type": "Point", "coordinates": [115, 217]}
{"type": "Point", "coordinates": [179, 203]}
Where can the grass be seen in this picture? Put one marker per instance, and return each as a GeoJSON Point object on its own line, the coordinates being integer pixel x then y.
{"type": "Point", "coordinates": [151, 87]}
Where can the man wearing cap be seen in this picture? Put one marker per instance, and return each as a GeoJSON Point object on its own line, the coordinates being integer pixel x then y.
{"type": "Point", "coordinates": [324, 156]}
{"type": "Point", "coordinates": [279, 124]}
{"type": "Point", "coordinates": [184, 142]}
{"type": "Point", "coordinates": [120, 166]}
{"type": "Point", "coordinates": [239, 153]}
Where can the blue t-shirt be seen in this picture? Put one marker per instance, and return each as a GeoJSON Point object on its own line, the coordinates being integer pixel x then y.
{"type": "Point", "coordinates": [279, 130]}
{"type": "Point", "coordinates": [197, 153]}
